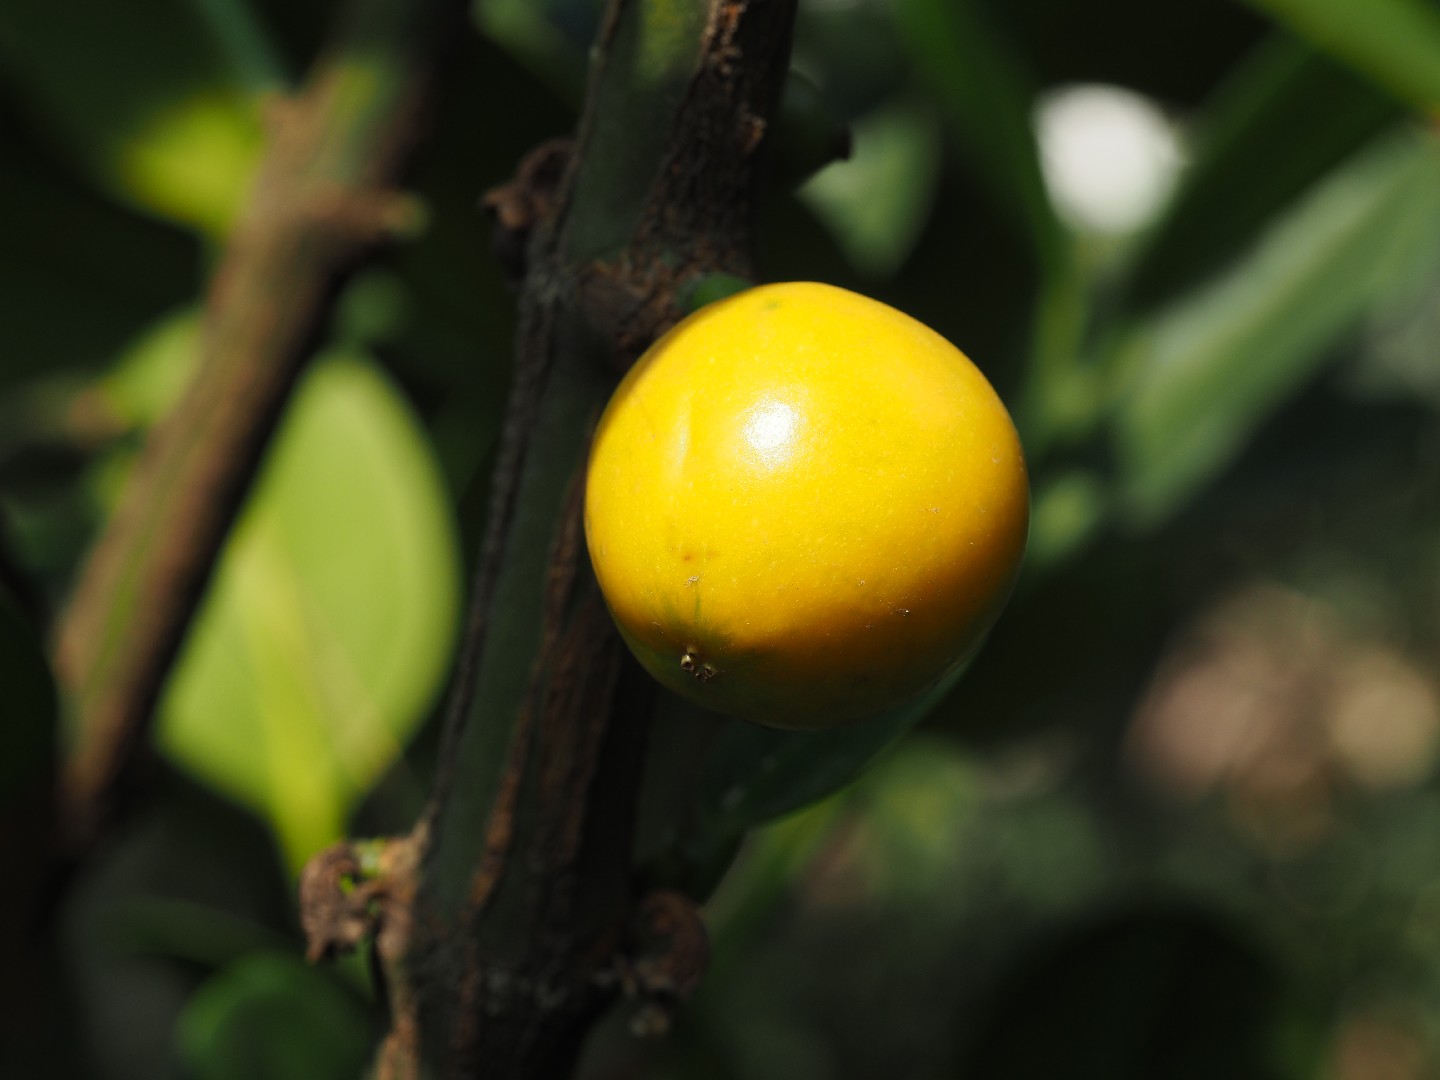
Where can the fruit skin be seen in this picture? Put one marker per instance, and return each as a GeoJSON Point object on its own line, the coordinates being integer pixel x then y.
{"type": "Point", "coordinates": [804, 507]}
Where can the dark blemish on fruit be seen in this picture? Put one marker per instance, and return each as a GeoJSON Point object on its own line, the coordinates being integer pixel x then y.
{"type": "Point", "coordinates": [691, 664]}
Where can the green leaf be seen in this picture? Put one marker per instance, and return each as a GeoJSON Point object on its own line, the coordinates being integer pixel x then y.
{"type": "Point", "coordinates": [271, 1015]}
{"type": "Point", "coordinates": [876, 203]}
{"type": "Point", "coordinates": [178, 929]}
{"type": "Point", "coordinates": [331, 619]}
{"type": "Point", "coordinates": [757, 774]}
{"type": "Point", "coordinates": [1066, 512]}
{"type": "Point", "coordinates": [1206, 371]}
{"type": "Point", "coordinates": [1276, 127]}
{"type": "Point", "coordinates": [525, 31]}
{"type": "Point", "coordinates": [981, 84]}
{"type": "Point", "coordinates": [161, 105]}
{"type": "Point", "coordinates": [149, 376]}
{"type": "Point", "coordinates": [1394, 42]}
{"type": "Point", "coordinates": [807, 134]}
{"type": "Point", "coordinates": [711, 289]}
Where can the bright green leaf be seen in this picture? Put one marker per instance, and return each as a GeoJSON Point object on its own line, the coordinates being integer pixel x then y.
{"type": "Point", "coordinates": [270, 1015]}
{"type": "Point", "coordinates": [160, 103]}
{"type": "Point", "coordinates": [331, 618]}
{"type": "Point", "coordinates": [192, 160]}
{"type": "Point", "coordinates": [1394, 42]}
{"type": "Point", "coordinates": [149, 377]}
{"type": "Point", "coordinates": [1206, 371]}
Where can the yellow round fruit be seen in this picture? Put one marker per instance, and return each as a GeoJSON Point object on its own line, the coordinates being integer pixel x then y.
{"type": "Point", "coordinates": [804, 507]}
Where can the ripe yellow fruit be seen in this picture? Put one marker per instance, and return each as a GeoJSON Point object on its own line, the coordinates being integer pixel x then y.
{"type": "Point", "coordinates": [804, 506]}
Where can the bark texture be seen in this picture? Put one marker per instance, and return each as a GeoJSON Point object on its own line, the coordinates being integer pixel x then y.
{"type": "Point", "coordinates": [509, 919]}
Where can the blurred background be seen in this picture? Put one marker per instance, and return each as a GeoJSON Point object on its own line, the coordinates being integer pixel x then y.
{"type": "Point", "coordinates": [1180, 819]}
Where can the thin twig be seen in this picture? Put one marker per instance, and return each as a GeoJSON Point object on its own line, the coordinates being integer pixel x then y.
{"type": "Point", "coordinates": [321, 201]}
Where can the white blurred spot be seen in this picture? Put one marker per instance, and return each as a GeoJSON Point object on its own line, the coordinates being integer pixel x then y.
{"type": "Point", "coordinates": [1109, 155]}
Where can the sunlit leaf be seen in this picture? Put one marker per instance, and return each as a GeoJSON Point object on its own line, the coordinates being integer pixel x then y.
{"type": "Point", "coordinates": [1208, 369]}
{"type": "Point", "coordinates": [1394, 42]}
{"type": "Point", "coordinates": [271, 1015]}
{"type": "Point", "coordinates": [148, 378]}
{"type": "Point", "coordinates": [161, 104]}
{"type": "Point", "coordinates": [192, 160]}
{"type": "Point", "coordinates": [331, 618]}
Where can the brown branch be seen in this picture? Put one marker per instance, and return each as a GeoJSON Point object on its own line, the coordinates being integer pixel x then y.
{"type": "Point", "coordinates": [321, 201]}
{"type": "Point", "coordinates": [525, 922]}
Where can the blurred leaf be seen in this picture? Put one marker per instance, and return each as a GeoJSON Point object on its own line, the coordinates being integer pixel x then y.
{"type": "Point", "coordinates": [1401, 342]}
{"type": "Point", "coordinates": [854, 52]}
{"type": "Point", "coordinates": [756, 774]}
{"type": "Point", "coordinates": [162, 107]}
{"type": "Point", "coordinates": [244, 43]}
{"type": "Point", "coordinates": [808, 135]}
{"type": "Point", "coordinates": [330, 621]}
{"type": "Point", "coordinates": [272, 1016]}
{"type": "Point", "coordinates": [1144, 994]}
{"type": "Point", "coordinates": [193, 161]}
{"type": "Point", "coordinates": [1207, 370]}
{"type": "Point", "coordinates": [713, 288]}
{"type": "Point", "coordinates": [877, 203]}
{"type": "Point", "coordinates": [913, 815]}
{"type": "Point", "coordinates": [206, 873]}
{"type": "Point", "coordinates": [525, 30]}
{"type": "Point", "coordinates": [1278, 125]}
{"type": "Point", "coordinates": [1066, 511]}
{"type": "Point", "coordinates": [177, 929]}
{"type": "Point", "coordinates": [1394, 42]}
{"type": "Point", "coordinates": [149, 377]}
{"type": "Point", "coordinates": [977, 78]}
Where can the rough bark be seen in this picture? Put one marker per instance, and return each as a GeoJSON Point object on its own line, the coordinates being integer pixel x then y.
{"type": "Point", "coordinates": [514, 918]}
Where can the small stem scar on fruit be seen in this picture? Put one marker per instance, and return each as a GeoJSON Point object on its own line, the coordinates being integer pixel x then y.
{"type": "Point", "coordinates": [693, 665]}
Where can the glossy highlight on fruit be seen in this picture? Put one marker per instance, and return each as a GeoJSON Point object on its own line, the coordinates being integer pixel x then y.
{"type": "Point", "coordinates": [804, 507]}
